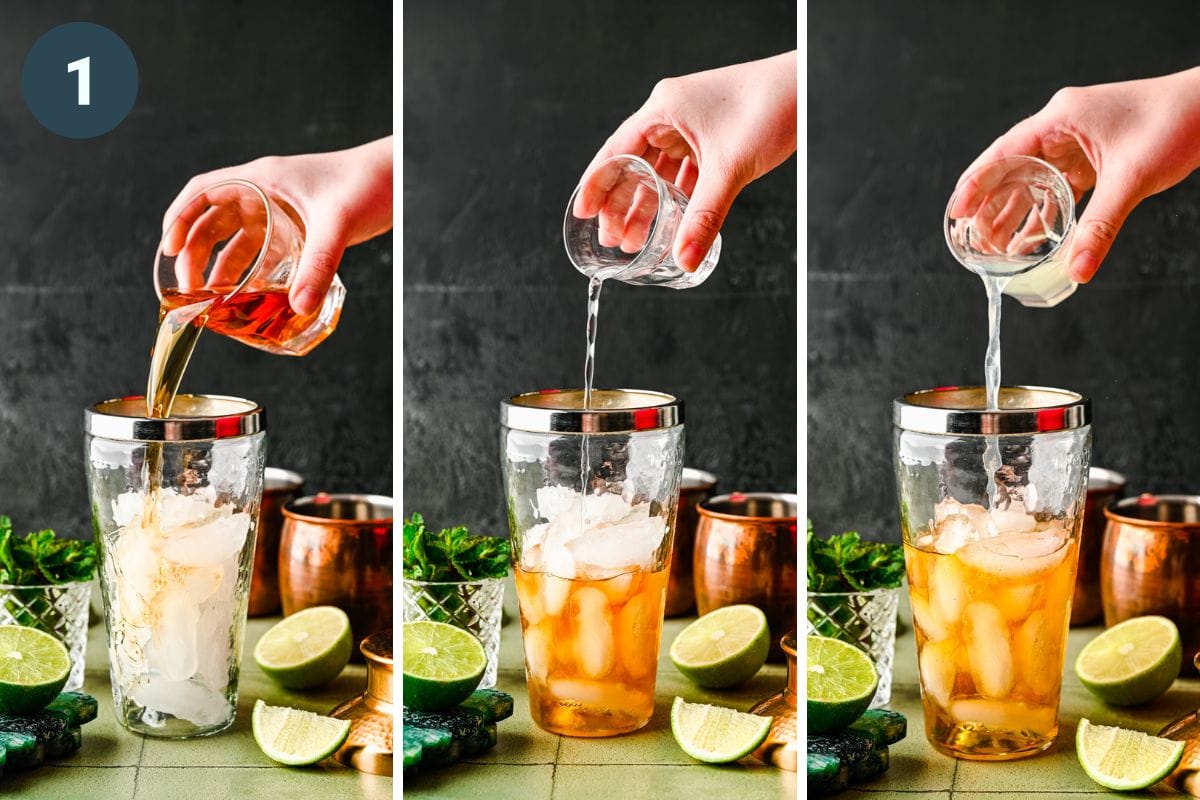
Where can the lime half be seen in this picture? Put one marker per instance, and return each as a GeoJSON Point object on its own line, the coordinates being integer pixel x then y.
{"type": "Point", "coordinates": [716, 735]}
{"type": "Point", "coordinates": [33, 669]}
{"type": "Point", "coordinates": [723, 648]}
{"type": "Point", "coordinates": [841, 683]}
{"type": "Point", "coordinates": [307, 649]}
{"type": "Point", "coordinates": [1125, 760]}
{"type": "Point", "coordinates": [442, 665]}
{"type": "Point", "coordinates": [1133, 662]}
{"type": "Point", "coordinates": [294, 737]}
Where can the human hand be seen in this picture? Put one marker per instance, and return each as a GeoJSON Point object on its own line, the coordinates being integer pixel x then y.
{"type": "Point", "coordinates": [710, 133]}
{"type": "Point", "coordinates": [342, 197]}
{"type": "Point", "coordinates": [1123, 141]}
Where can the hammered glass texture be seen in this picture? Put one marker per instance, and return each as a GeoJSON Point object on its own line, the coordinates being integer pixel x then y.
{"type": "Point", "coordinates": [864, 619]}
{"type": "Point", "coordinates": [471, 605]}
{"type": "Point", "coordinates": [58, 609]}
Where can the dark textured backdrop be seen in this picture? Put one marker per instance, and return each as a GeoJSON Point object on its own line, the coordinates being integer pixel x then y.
{"type": "Point", "coordinates": [901, 98]}
{"type": "Point", "coordinates": [221, 83]}
{"type": "Point", "coordinates": [503, 108]}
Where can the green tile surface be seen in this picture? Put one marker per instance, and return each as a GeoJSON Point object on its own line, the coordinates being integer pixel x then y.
{"type": "Point", "coordinates": [115, 764]}
{"type": "Point", "coordinates": [917, 770]}
{"type": "Point", "coordinates": [531, 764]}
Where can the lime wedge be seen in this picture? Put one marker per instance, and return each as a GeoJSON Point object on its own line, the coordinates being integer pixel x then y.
{"type": "Point", "coordinates": [841, 683]}
{"type": "Point", "coordinates": [294, 737]}
{"type": "Point", "coordinates": [723, 648]}
{"type": "Point", "coordinates": [33, 669]}
{"type": "Point", "coordinates": [716, 735]}
{"type": "Point", "coordinates": [1133, 662]}
{"type": "Point", "coordinates": [1125, 760]}
{"type": "Point", "coordinates": [442, 665]}
{"type": "Point", "coordinates": [307, 649]}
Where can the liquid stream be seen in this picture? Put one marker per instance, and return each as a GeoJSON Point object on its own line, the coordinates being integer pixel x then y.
{"type": "Point", "coordinates": [595, 284]}
{"type": "Point", "coordinates": [992, 461]}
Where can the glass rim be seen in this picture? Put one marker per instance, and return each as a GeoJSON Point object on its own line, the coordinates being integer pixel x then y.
{"type": "Point", "coordinates": [1068, 211]}
{"type": "Point", "coordinates": [475, 581]}
{"type": "Point", "coordinates": [860, 593]}
{"type": "Point", "coordinates": [660, 188]}
{"type": "Point", "coordinates": [262, 252]}
{"type": "Point", "coordinates": [65, 585]}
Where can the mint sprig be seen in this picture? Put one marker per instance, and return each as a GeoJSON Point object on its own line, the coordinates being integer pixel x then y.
{"type": "Point", "coordinates": [42, 557]}
{"type": "Point", "coordinates": [452, 554]}
{"type": "Point", "coordinates": [846, 563]}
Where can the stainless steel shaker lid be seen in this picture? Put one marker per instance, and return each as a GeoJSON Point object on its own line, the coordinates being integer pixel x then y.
{"type": "Point", "coordinates": [194, 417]}
{"type": "Point", "coordinates": [611, 411]}
{"type": "Point", "coordinates": [963, 410]}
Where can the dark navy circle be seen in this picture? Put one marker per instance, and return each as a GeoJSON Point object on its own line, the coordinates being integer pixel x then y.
{"type": "Point", "coordinates": [79, 80]}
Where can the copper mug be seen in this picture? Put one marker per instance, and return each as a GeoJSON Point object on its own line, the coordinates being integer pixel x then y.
{"type": "Point", "coordinates": [336, 550]}
{"type": "Point", "coordinates": [1151, 564]}
{"type": "Point", "coordinates": [279, 487]}
{"type": "Point", "coordinates": [746, 553]}
{"type": "Point", "coordinates": [1104, 486]}
{"type": "Point", "coordinates": [695, 487]}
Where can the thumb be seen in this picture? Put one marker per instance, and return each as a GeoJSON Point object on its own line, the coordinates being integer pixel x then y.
{"type": "Point", "coordinates": [322, 253]}
{"type": "Point", "coordinates": [1111, 201]}
{"type": "Point", "coordinates": [715, 190]}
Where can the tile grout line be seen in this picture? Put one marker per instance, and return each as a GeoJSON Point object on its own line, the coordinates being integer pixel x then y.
{"type": "Point", "coordinates": [137, 769]}
{"type": "Point", "coordinates": [954, 779]}
{"type": "Point", "coordinates": [554, 767]}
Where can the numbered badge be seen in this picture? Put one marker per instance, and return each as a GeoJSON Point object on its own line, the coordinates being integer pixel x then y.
{"type": "Point", "coordinates": [80, 80]}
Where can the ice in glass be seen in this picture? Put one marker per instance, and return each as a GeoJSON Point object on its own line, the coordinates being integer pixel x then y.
{"type": "Point", "coordinates": [991, 596]}
{"type": "Point", "coordinates": [591, 584]}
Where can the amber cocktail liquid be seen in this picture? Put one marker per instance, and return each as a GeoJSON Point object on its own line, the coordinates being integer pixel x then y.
{"type": "Point", "coordinates": [990, 609]}
{"type": "Point", "coordinates": [591, 648]}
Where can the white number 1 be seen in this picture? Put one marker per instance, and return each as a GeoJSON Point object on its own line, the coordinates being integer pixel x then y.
{"type": "Point", "coordinates": [84, 67]}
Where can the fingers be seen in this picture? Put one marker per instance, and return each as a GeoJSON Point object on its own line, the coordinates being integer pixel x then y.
{"type": "Point", "coordinates": [319, 261]}
{"type": "Point", "coordinates": [715, 190]}
{"type": "Point", "coordinates": [1112, 200]}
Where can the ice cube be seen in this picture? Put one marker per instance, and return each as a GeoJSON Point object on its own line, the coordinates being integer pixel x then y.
{"type": "Point", "coordinates": [555, 593]}
{"type": "Point", "coordinates": [593, 634]}
{"type": "Point", "coordinates": [538, 643]}
{"type": "Point", "coordinates": [606, 695]}
{"type": "Point", "coordinates": [620, 548]}
{"type": "Point", "coordinates": [182, 699]}
{"type": "Point", "coordinates": [1038, 652]}
{"type": "Point", "coordinates": [953, 533]}
{"type": "Point", "coordinates": [948, 589]}
{"type": "Point", "coordinates": [555, 501]}
{"type": "Point", "coordinates": [938, 671]}
{"type": "Point", "coordinates": [214, 630]}
{"type": "Point", "coordinates": [1010, 715]}
{"type": "Point", "coordinates": [928, 621]}
{"type": "Point", "coordinates": [173, 649]}
{"type": "Point", "coordinates": [208, 543]}
{"type": "Point", "coordinates": [621, 587]}
{"type": "Point", "coordinates": [1016, 601]}
{"type": "Point", "coordinates": [988, 651]}
{"type": "Point", "coordinates": [637, 639]}
{"type": "Point", "coordinates": [1017, 556]}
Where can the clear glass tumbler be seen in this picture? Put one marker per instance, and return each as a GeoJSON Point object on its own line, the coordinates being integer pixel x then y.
{"type": "Point", "coordinates": [866, 620]}
{"type": "Point", "coordinates": [175, 551]}
{"type": "Point", "coordinates": [229, 259]}
{"type": "Point", "coordinates": [59, 609]}
{"type": "Point", "coordinates": [1013, 219]}
{"type": "Point", "coordinates": [592, 496]}
{"type": "Point", "coordinates": [991, 503]}
{"type": "Point", "coordinates": [474, 606]}
{"type": "Point", "coordinates": [621, 223]}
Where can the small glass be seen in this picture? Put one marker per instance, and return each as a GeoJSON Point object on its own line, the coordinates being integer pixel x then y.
{"type": "Point", "coordinates": [591, 497]}
{"type": "Point", "coordinates": [473, 606]}
{"type": "Point", "coordinates": [60, 609]}
{"type": "Point", "coordinates": [991, 502]}
{"type": "Point", "coordinates": [231, 256]}
{"type": "Point", "coordinates": [1013, 219]}
{"type": "Point", "coordinates": [175, 547]}
{"type": "Point", "coordinates": [621, 223]}
{"type": "Point", "coordinates": [864, 619]}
